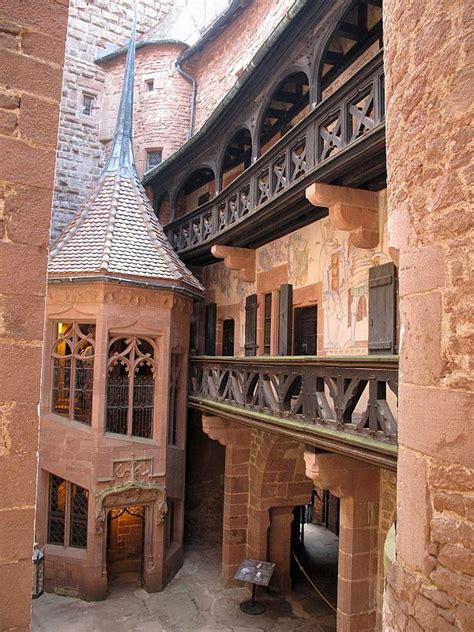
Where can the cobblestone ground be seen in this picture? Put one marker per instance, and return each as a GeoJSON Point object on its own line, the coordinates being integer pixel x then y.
{"type": "Point", "coordinates": [193, 601]}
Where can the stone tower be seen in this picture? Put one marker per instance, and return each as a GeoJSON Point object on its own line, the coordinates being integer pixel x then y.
{"type": "Point", "coordinates": [112, 450]}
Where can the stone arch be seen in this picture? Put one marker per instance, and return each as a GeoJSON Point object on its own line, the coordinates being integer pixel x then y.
{"type": "Point", "coordinates": [131, 493]}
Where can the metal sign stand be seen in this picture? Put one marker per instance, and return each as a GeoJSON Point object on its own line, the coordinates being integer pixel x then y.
{"type": "Point", "coordinates": [256, 573]}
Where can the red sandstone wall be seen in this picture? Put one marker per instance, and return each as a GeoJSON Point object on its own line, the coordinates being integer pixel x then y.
{"type": "Point", "coordinates": [161, 117]}
{"type": "Point", "coordinates": [428, 90]}
{"type": "Point", "coordinates": [218, 66]}
{"type": "Point", "coordinates": [32, 39]}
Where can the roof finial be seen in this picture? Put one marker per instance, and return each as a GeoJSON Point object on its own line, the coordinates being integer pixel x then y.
{"type": "Point", "coordinates": [121, 155]}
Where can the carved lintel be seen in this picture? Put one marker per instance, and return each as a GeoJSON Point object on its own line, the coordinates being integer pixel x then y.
{"type": "Point", "coordinates": [126, 494]}
{"type": "Point", "coordinates": [241, 259]}
{"type": "Point", "coordinates": [352, 210]}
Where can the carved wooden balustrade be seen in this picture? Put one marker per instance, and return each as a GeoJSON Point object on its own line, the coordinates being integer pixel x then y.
{"type": "Point", "coordinates": [353, 112]}
{"type": "Point", "coordinates": [355, 395]}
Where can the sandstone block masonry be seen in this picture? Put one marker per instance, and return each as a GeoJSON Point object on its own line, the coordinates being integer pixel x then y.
{"type": "Point", "coordinates": [93, 27]}
{"type": "Point", "coordinates": [430, 586]}
{"type": "Point", "coordinates": [32, 40]}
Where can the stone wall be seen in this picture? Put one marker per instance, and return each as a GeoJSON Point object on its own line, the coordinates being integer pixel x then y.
{"type": "Point", "coordinates": [32, 39]}
{"type": "Point", "coordinates": [428, 90]}
{"type": "Point", "coordinates": [218, 66]}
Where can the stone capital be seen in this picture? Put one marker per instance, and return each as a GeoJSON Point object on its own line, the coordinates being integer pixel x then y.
{"type": "Point", "coordinates": [226, 432]}
{"type": "Point", "coordinates": [342, 476]}
{"type": "Point", "coordinates": [352, 210]}
{"type": "Point", "coordinates": [241, 259]}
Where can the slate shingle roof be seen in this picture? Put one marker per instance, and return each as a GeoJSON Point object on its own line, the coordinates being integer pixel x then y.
{"type": "Point", "coordinates": [116, 233]}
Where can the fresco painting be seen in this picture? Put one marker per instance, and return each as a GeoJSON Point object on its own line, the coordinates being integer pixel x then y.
{"type": "Point", "coordinates": [318, 253]}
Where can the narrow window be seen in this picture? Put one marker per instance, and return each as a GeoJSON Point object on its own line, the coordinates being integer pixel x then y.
{"type": "Point", "coordinates": [131, 387]}
{"type": "Point", "coordinates": [153, 158]}
{"type": "Point", "coordinates": [73, 369]}
{"type": "Point", "coordinates": [87, 104]}
{"type": "Point", "coordinates": [149, 85]}
{"type": "Point", "coordinates": [68, 505]}
{"type": "Point", "coordinates": [57, 510]}
{"type": "Point", "coordinates": [175, 380]}
{"type": "Point", "coordinates": [170, 523]}
{"type": "Point", "coordinates": [267, 324]}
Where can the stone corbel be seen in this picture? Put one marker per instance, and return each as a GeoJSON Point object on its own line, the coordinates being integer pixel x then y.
{"type": "Point", "coordinates": [241, 259]}
{"type": "Point", "coordinates": [352, 210]}
{"type": "Point", "coordinates": [225, 432]}
{"type": "Point", "coordinates": [342, 476]}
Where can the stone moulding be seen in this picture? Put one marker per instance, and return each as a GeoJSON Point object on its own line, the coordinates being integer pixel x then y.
{"type": "Point", "coordinates": [126, 494]}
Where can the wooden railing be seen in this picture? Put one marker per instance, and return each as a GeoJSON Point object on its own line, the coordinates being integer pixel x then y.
{"type": "Point", "coordinates": [355, 395]}
{"type": "Point", "coordinates": [353, 111]}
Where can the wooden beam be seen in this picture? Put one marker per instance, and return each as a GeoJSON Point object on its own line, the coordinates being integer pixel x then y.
{"type": "Point", "coordinates": [351, 31]}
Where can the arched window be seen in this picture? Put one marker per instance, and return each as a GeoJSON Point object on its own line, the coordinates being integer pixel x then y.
{"type": "Point", "coordinates": [198, 189]}
{"type": "Point", "coordinates": [288, 105]}
{"type": "Point", "coordinates": [73, 368]}
{"type": "Point", "coordinates": [356, 39]}
{"type": "Point", "coordinates": [131, 372]}
{"type": "Point", "coordinates": [237, 156]}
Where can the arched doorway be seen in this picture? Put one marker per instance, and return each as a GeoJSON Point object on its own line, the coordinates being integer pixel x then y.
{"type": "Point", "coordinates": [125, 545]}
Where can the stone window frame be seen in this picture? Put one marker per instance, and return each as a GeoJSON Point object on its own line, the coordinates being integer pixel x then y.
{"type": "Point", "coordinates": [132, 358]}
{"type": "Point", "coordinates": [74, 342]}
{"type": "Point", "coordinates": [150, 81]}
{"type": "Point", "coordinates": [68, 519]}
{"type": "Point", "coordinates": [148, 152]}
{"type": "Point", "coordinates": [85, 94]}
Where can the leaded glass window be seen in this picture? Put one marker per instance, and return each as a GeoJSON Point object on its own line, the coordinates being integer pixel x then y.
{"type": "Point", "coordinates": [67, 513]}
{"type": "Point", "coordinates": [131, 386]}
{"type": "Point", "coordinates": [73, 370]}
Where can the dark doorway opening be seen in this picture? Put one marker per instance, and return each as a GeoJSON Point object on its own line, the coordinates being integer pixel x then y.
{"type": "Point", "coordinates": [204, 504]}
{"type": "Point", "coordinates": [315, 550]}
{"type": "Point", "coordinates": [125, 540]}
{"type": "Point", "coordinates": [228, 337]}
{"type": "Point", "coordinates": [305, 328]}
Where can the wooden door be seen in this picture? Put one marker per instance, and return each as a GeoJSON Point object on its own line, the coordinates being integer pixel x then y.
{"type": "Point", "coordinates": [251, 325]}
{"type": "Point", "coordinates": [228, 335]}
{"type": "Point", "coordinates": [210, 332]}
{"type": "Point", "coordinates": [285, 326]}
{"type": "Point", "coordinates": [382, 309]}
{"type": "Point", "coordinates": [306, 322]}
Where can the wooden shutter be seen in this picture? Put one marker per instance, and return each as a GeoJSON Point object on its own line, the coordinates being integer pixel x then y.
{"type": "Point", "coordinates": [382, 309]}
{"type": "Point", "coordinates": [251, 325]}
{"type": "Point", "coordinates": [286, 309]}
{"type": "Point", "coordinates": [210, 333]}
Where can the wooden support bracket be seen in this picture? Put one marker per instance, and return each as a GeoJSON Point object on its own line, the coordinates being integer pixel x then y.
{"type": "Point", "coordinates": [352, 210]}
{"type": "Point", "coordinates": [241, 259]}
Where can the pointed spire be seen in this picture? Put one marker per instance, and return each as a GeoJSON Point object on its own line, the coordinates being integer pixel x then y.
{"type": "Point", "coordinates": [116, 234]}
{"type": "Point", "coordinates": [121, 155]}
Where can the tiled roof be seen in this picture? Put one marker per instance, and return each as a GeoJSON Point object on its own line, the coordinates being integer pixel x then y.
{"type": "Point", "coordinates": [116, 233]}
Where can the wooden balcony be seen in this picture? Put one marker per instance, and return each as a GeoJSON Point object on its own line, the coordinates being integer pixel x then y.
{"type": "Point", "coordinates": [345, 404]}
{"type": "Point", "coordinates": [342, 140]}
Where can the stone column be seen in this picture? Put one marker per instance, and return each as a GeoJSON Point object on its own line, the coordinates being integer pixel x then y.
{"type": "Point", "coordinates": [428, 48]}
{"type": "Point", "coordinates": [279, 546]}
{"type": "Point", "coordinates": [357, 485]}
{"type": "Point", "coordinates": [236, 440]}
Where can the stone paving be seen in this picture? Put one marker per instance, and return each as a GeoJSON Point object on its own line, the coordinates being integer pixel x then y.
{"type": "Point", "coordinates": [194, 601]}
